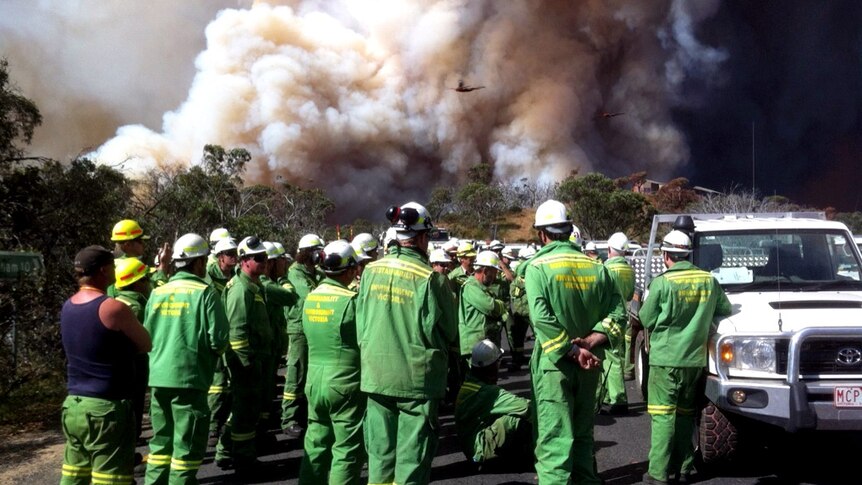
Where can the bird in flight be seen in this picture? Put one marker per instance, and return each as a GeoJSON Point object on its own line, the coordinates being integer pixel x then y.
{"type": "Point", "coordinates": [464, 88]}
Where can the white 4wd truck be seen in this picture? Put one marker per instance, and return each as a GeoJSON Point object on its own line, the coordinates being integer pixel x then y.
{"type": "Point", "coordinates": [790, 354]}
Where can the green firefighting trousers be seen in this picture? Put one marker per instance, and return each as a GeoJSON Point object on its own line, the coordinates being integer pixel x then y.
{"type": "Point", "coordinates": [219, 396]}
{"type": "Point", "coordinates": [612, 389]}
{"type": "Point", "coordinates": [564, 403]}
{"type": "Point", "coordinates": [100, 441]}
{"type": "Point", "coordinates": [671, 405]}
{"type": "Point", "coordinates": [334, 449]}
{"type": "Point", "coordinates": [237, 440]}
{"type": "Point", "coordinates": [516, 331]}
{"type": "Point", "coordinates": [401, 439]}
{"type": "Point", "coordinates": [180, 419]}
{"type": "Point", "coordinates": [269, 369]}
{"type": "Point", "coordinates": [507, 438]}
{"type": "Point", "coordinates": [294, 380]}
{"type": "Point", "coordinates": [628, 364]}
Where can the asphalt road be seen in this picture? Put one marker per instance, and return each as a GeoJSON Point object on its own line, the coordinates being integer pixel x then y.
{"type": "Point", "coordinates": [622, 444]}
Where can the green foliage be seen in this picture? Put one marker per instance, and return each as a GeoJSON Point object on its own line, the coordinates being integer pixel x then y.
{"type": "Point", "coordinates": [19, 118]}
{"type": "Point", "coordinates": [599, 208]}
{"type": "Point", "coordinates": [853, 220]}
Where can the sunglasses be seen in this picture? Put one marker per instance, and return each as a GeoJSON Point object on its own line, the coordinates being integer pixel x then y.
{"type": "Point", "coordinates": [259, 258]}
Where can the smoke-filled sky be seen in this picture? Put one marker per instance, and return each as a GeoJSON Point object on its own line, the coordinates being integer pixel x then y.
{"type": "Point", "coordinates": [355, 95]}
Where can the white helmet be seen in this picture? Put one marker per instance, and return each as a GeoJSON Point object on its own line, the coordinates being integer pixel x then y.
{"type": "Point", "coordinates": [495, 245]}
{"type": "Point", "coordinates": [576, 237]}
{"type": "Point", "coordinates": [226, 244]}
{"type": "Point", "coordinates": [485, 353]}
{"type": "Point", "coordinates": [310, 241]}
{"type": "Point", "coordinates": [676, 242]}
{"type": "Point", "coordinates": [365, 242]}
{"type": "Point", "coordinates": [250, 246]}
{"type": "Point", "coordinates": [488, 259]}
{"type": "Point", "coordinates": [451, 245]}
{"type": "Point", "coordinates": [338, 256]}
{"type": "Point", "coordinates": [590, 246]}
{"type": "Point", "coordinates": [218, 234]}
{"type": "Point", "coordinates": [360, 255]}
{"type": "Point", "coordinates": [409, 217]}
{"type": "Point", "coordinates": [282, 253]}
{"type": "Point", "coordinates": [618, 242]}
{"type": "Point", "coordinates": [271, 250]}
{"type": "Point", "coordinates": [509, 253]}
{"type": "Point", "coordinates": [188, 247]}
{"type": "Point", "coordinates": [439, 256]}
{"type": "Point", "coordinates": [552, 216]}
{"type": "Point", "coordinates": [527, 253]}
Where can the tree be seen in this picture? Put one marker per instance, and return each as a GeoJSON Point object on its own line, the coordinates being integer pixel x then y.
{"type": "Point", "coordinates": [853, 220]}
{"type": "Point", "coordinates": [19, 118]}
{"type": "Point", "coordinates": [599, 208]}
{"type": "Point", "coordinates": [674, 197]}
{"type": "Point", "coordinates": [741, 201]}
{"type": "Point", "coordinates": [441, 202]}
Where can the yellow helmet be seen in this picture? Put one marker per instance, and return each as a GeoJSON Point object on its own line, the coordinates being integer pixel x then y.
{"type": "Point", "coordinates": [129, 270]}
{"type": "Point", "coordinates": [127, 230]}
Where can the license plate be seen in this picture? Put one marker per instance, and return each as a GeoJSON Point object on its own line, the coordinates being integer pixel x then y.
{"type": "Point", "coordinates": [848, 397]}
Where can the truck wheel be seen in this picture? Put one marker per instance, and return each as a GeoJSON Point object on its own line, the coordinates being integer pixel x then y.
{"type": "Point", "coordinates": [641, 365]}
{"type": "Point", "coordinates": [718, 438]}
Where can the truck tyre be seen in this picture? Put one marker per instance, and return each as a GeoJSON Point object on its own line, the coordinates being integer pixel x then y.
{"type": "Point", "coordinates": [718, 438]}
{"type": "Point", "coordinates": [641, 365]}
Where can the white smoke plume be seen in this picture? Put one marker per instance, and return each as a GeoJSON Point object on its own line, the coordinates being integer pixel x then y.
{"type": "Point", "coordinates": [356, 96]}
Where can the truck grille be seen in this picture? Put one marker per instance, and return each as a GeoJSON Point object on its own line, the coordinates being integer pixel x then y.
{"type": "Point", "coordinates": [820, 356]}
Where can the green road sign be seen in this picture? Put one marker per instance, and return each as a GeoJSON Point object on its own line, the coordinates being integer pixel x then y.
{"type": "Point", "coordinates": [14, 265]}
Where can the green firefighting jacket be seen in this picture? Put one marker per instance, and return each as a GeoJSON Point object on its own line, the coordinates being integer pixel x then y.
{"type": "Point", "coordinates": [678, 313]}
{"type": "Point", "coordinates": [280, 299]}
{"type": "Point", "coordinates": [623, 275]}
{"type": "Point", "coordinates": [406, 321]}
{"type": "Point", "coordinates": [570, 296]}
{"type": "Point", "coordinates": [216, 277]}
{"type": "Point", "coordinates": [518, 292]}
{"type": "Point", "coordinates": [500, 288]}
{"type": "Point", "coordinates": [459, 275]}
{"type": "Point", "coordinates": [329, 321]}
{"type": "Point", "coordinates": [137, 302]}
{"type": "Point", "coordinates": [303, 281]}
{"type": "Point", "coordinates": [480, 404]}
{"type": "Point", "coordinates": [189, 329]}
{"type": "Point", "coordinates": [478, 313]}
{"type": "Point", "coordinates": [250, 332]}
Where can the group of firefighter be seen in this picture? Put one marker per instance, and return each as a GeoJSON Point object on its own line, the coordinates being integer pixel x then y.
{"type": "Point", "coordinates": [377, 337]}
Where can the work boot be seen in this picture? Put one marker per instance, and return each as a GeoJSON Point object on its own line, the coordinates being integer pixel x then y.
{"type": "Point", "coordinates": [224, 463]}
{"type": "Point", "coordinates": [615, 409]}
{"type": "Point", "coordinates": [294, 431]}
{"type": "Point", "coordinates": [648, 479]}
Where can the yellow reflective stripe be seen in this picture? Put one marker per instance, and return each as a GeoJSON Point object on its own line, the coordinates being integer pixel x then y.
{"type": "Point", "coordinates": [217, 389]}
{"type": "Point", "coordinates": [109, 478]}
{"type": "Point", "coordinates": [659, 410]}
{"type": "Point", "coordinates": [238, 344]}
{"type": "Point", "coordinates": [175, 466]}
{"type": "Point", "coordinates": [73, 468]}
{"type": "Point", "coordinates": [401, 265]}
{"type": "Point", "coordinates": [67, 473]}
{"type": "Point", "coordinates": [554, 347]}
{"type": "Point", "coordinates": [289, 396]}
{"type": "Point", "coordinates": [327, 289]}
{"type": "Point", "coordinates": [554, 341]}
{"type": "Point", "coordinates": [259, 298]}
{"type": "Point", "coordinates": [157, 460]}
{"type": "Point", "coordinates": [554, 258]}
{"type": "Point", "coordinates": [242, 436]}
{"type": "Point", "coordinates": [186, 462]}
{"type": "Point", "coordinates": [684, 411]}
{"type": "Point", "coordinates": [694, 274]}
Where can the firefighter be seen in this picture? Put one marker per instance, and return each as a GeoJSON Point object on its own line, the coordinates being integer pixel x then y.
{"type": "Point", "coordinates": [186, 320]}
{"type": "Point", "coordinates": [492, 423]}
{"type": "Point", "coordinates": [216, 236]}
{"type": "Point", "coordinates": [612, 395]}
{"type": "Point", "coordinates": [520, 310]}
{"type": "Point", "coordinates": [362, 259]}
{"type": "Point", "coordinates": [466, 255]}
{"type": "Point", "coordinates": [334, 451]}
{"type": "Point", "coordinates": [591, 251]}
{"type": "Point", "coordinates": [303, 277]}
{"type": "Point", "coordinates": [442, 263]}
{"type": "Point", "coordinates": [133, 288]}
{"type": "Point", "coordinates": [480, 313]}
{"type": "Point", "coordinates": [250, 339]}
{"type": "Point", "coordinates": [678, 313]}
{"type": "Point", "coordinates": [100, 337]}
{"type": "Point", "coordinates": [569, 297]}
{"type": "Point", "coordinates": [367, 244]}
{"type": "Point", "coordinates": [219, 273]}
{"type": "Point", "coordinates": [129, 240]}
{"type": "Point", "coordinates": [279, 301]}
{"type": "Point", "coordinates": [406, 320]}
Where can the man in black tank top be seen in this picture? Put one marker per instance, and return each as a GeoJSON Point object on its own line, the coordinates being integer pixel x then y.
{"type": "Point", "coordinates": [101, 337]}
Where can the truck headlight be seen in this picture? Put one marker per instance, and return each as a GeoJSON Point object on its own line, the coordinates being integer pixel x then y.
{"type": "Point", "coordinates": [753, 354]}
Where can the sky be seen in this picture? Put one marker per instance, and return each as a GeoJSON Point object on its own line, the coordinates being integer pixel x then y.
{"type": "Point", "coordinates": [355, 95]}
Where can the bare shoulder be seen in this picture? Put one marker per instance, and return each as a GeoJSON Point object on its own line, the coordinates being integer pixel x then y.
{"type": "Point", "coordinates": [114, 313]}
